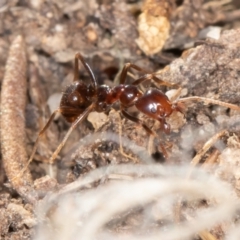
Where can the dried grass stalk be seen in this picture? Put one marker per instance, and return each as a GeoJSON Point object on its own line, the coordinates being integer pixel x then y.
{"type": "Point", "coordinates": [13, 102]}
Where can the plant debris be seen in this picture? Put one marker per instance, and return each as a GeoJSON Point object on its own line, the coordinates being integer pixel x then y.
{"type": "Point", "coordinates": [13, 135]}
{"type": "Point", "coordinates": [154, 25]}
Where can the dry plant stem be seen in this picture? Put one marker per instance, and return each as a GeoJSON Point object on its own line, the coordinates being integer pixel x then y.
{"type": "Point", "coordinates": [204, 235]}
{"type": "Point", "coordinates": [211, 159]}
{"type": "Point", "coordinates": [232, 16]}
{"type": "Point", "coordinates": [13, 100]}
{"type": "Point", "coordinates": [207, 146]}
{"type": "Point", "coordinates": [120, 177]}
{"type": "Point", "coordinates": [216, 4]}
{"type": "Point", "coordinates": [194, 162]}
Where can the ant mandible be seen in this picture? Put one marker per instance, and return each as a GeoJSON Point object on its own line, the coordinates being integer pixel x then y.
{"type": "Point", "coordinates": [79, 99]}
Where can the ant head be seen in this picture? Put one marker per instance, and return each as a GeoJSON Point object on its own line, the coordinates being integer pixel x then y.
{"type": "Point", "coordinates": [76, 98]}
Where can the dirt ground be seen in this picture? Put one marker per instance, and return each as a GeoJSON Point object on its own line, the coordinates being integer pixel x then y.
{"type": "Point", "coordinates": [192, 44]}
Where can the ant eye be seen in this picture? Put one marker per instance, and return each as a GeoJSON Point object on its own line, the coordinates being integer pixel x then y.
{"type": "Point", "coordinates": [75, 99]}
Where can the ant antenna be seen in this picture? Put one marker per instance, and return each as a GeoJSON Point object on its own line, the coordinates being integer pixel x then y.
{"type": "Point", "coordinates": [78, 57]}
{"type": "Point", "coordinates": [210, 101]}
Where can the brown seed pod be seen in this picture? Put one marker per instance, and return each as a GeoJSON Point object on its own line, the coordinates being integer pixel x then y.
{"type": "Point", "coordinates": [13, 102]}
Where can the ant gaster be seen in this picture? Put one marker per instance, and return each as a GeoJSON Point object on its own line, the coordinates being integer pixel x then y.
{"type": "Point", "coordinates": [79, 99]}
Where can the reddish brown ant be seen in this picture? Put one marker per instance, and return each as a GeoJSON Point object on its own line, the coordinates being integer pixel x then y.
{"type": "Point", "coordinates": [80, 99]}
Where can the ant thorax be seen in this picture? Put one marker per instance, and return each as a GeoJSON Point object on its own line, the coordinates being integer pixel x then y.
{"type": "Point", "coordinates": [102, 103]}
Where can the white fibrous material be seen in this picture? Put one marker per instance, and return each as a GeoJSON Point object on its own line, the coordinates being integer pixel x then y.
{"type": "Point", "coordinates": [81, 210]}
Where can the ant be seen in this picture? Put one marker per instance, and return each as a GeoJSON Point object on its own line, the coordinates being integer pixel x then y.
{"type": "Point", "coordinates": [79, 99]}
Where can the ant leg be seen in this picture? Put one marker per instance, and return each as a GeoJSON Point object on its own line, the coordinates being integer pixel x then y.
{"type": "Point", "coordinates": [120, 140]}
{"type": "Point", "coordinates": [76, 69]}
{"type": "Point", "coordinates": [37, 141]}
{"type": "Point", "coordinates": [147, 76]}
{"type": "Point", "coordinates": [73, 126]}
{"type": "Point", "coordinates": [175, 95]}
{"type": "Point", "coordinates": [209, 101]}
{"type": "Point", "coordinates": [139, 122]}
{"type": "Point", "coordinates": [147, 129]}
{"type": "Point", "coordinates": [78, 56]}
{"type": "Point", "coordinates": [151, 76]}
{"type": "Point", "coordinates": [41, 133]}
{"type": "Point", "coordinates": [126, 68]}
